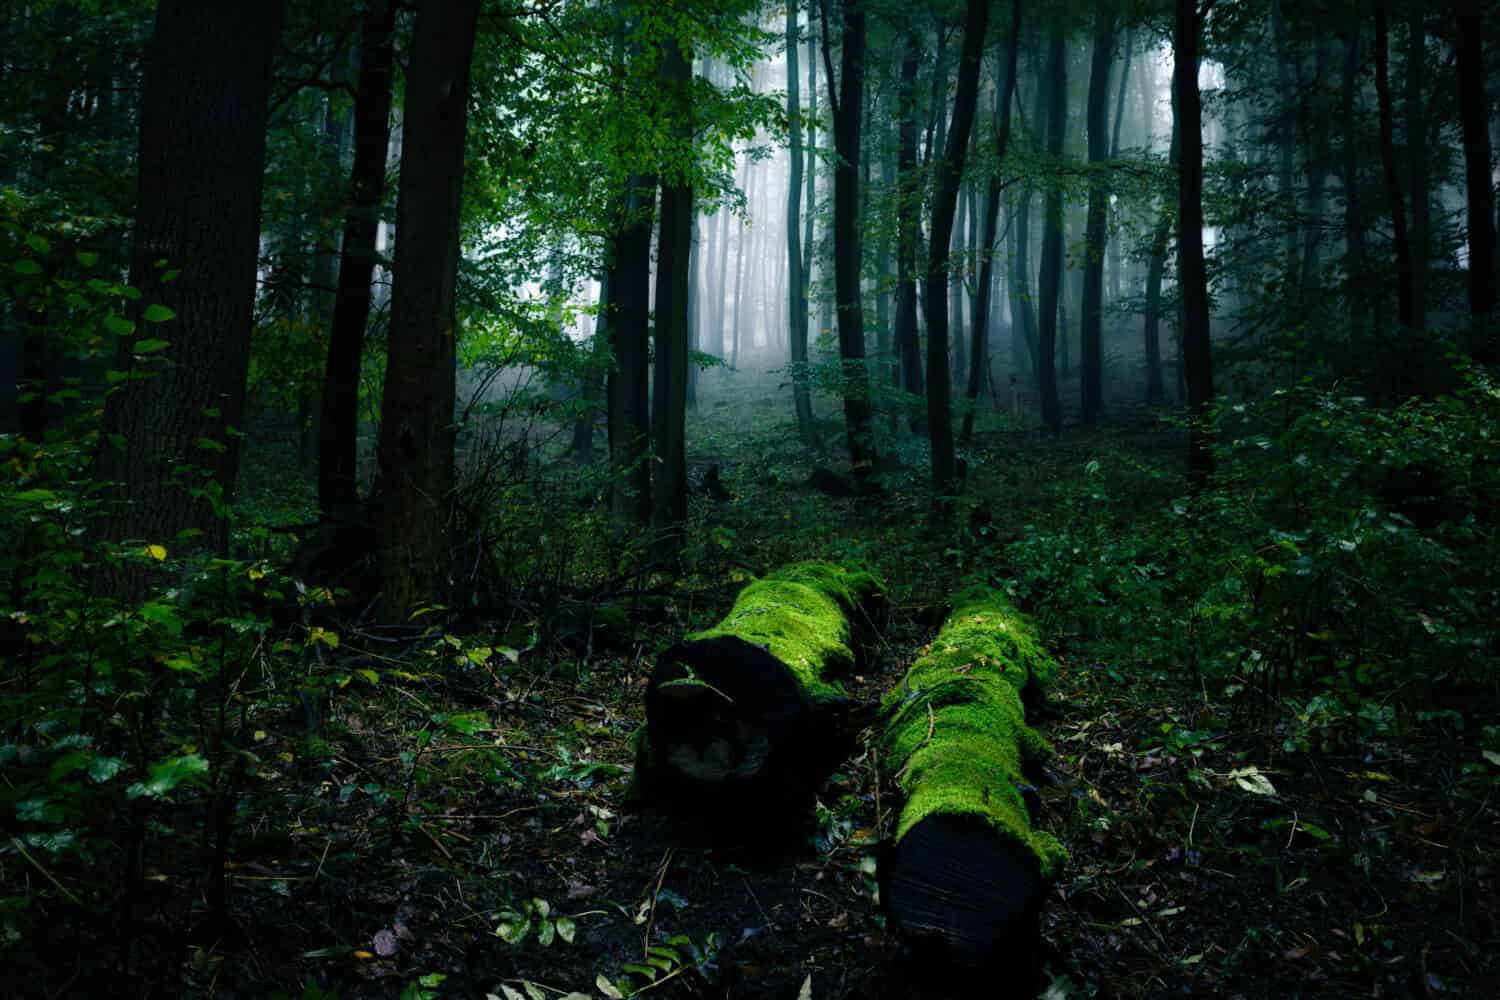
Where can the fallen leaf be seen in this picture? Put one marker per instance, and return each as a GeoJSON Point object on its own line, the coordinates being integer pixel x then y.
{"type": "Point", "coordinates": [805, 993]}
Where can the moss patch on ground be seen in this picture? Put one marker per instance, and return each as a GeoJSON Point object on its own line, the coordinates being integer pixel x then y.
{"type": "Point", "coordinates": [955, 729]}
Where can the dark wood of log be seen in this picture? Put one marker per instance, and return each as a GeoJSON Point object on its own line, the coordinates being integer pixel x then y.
{"type": "Point", "coordinates": [961, 896]}
{"type": "Point", "coordinates": [750, 714]}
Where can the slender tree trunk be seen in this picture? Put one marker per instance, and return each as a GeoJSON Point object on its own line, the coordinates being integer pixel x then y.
{"type": "Point", "coordinates": [1192, 274]}
{"type": "Point", "coordinates": [741, 263]}
{"type": "Point", "coordinates": [416, 415]}
{"type": "Point", "coordinates": [1354, 224]}
{"type": "Point", "coordinates": [1117, 263]}
{"type": "Point", "coordinates": [885, 346]}
{"type": "Point", "coordinates": [908, 206]}
{"type": "Point", "coordinates": [1319, 165]}
{"type": "Point", "coordinates": [1050, 280]}
{"type": "Point", "coordinates": [1405, 300]}
{"type": "Point", "coordinates": [979, 365]}
{"type": "Point", "coordinates": [1416, 165]}
{"type": "Point", "coordinates": [811, 194]}
{"type": "Point", "coordinates": [202, 149]}
{"type": "Point", "coordinates": [1473, 109]}
{"type": "Point", "coordinates": [673, 275]}
{"type": "Point", "coordinates": [338, 423]}
{"type": "Point", "coordinates": [796, 286]}
{"type": "Point", "coordinates": [847, 112]}
{"type": "Point", "coordinates": [1091, 327]}
{"type": "Point", "coordinates": [1285, 190]}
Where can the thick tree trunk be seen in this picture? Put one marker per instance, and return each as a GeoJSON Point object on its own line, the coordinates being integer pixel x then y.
{"type": "Point", "coordinates": [416, 415]}
{"type": "Point", "coordinates": [1192, 274]}
{"type": "Point", "coordinates": [338, 422]}
{"type": "Point", "coordinates": [847, 115]}
{"type": "Point", "coordinates": [626, 324]}
{"type": "Point", "coordinates": [1050, 279]}
{"type": "Point", "coordinates": [980, 364]}
{"type": "Point", "coordinates": [908, 207]}
{"type": "Point", "coordinates": [208, 73]}
{"type": "Point", "coordinates": [674, 254]}
{"type": "Point", "coordinates": [949, 173]}
{"type": "Point", "coordinates": [796, 284]}
{"type": "Point", "coordinates": [1473, 109]}
{"type": "Point", "coordinates": [1091, 326]}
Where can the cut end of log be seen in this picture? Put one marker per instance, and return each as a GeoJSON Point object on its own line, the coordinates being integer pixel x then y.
{"type": "Point", "coordinates": [956, 885]}
{"type": "Point", "coordinates": [717, 708]}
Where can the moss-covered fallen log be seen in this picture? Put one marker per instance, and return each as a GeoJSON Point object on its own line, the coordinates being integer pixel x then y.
{"type": "Point", "coordinates": [965, 873]}
{"type": "Point", "coordinates": [750, 711]}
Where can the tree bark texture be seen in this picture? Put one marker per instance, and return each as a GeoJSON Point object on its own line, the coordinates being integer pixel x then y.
{"type": "Point", "coordinates": [1473, 110]}
{"type": "Point", "coordinates": [1400, 238]}
{"type": "Point", "coordinates": [673, 270]}
{"type": "Point", "coordinates": [1192, 273]}
{"type": "Point", "coordinates": [796, 284]}
{"type": "Point", "coordinates": [908, 207]}
{"type": "Point", "coordinates": [628, 323]}
{"type": "Point", "coordinates": [196, 240]}
{"type": "Point", "coordinates": [338, 424]}
{"type": "Point", "coordinates": [1050, 279]}
{"type": "Point", "coordinates": [416, 415]}
{"type": "Point", "coordinates": [1091, 326]}
{"type": "Point", "coordinates": [948, 176]}
{"type": "Point", "coordinates": [979, 365]}
{"type": "Point", "coordinates": [847, 114]}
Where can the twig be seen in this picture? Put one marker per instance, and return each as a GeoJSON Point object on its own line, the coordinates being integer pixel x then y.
{"type": "Point", "coordinates": [661, 876]}
{"type": "Point", "coordinates": [45, 873]}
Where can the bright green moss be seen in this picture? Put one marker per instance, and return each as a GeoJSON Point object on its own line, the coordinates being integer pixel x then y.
{"type": "Point", "coordinates": [801, 614]}
{"type": "Point", "coordinates": [955, 730]}
{"type": "Point", "coordinates": [985, 634]}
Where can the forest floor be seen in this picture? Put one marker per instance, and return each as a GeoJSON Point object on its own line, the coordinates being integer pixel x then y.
{"type": "Point", "coordinates": [444, 807]}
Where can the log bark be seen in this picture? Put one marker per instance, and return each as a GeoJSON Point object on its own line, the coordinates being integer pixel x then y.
{"type": "Point", "coordinates": [748, 716]}
{"type": "Point", "coordinates": [965, 874]}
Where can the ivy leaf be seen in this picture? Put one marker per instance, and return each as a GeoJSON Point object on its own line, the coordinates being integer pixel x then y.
{"type": "Point", "coordinates": [26, 266]}
{"type": "Point", "coordinates": [166, 775]}
{"type": "Point", "coordinates": [603, 985]}
{"type": "Point", "coordinates": [158, 314]}
{"type": "Point", "coordinates": [149, 346]}
{"type": "Point", "coordinates": [566, 929]}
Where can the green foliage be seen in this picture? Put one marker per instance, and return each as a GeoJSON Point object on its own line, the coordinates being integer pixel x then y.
{"type": "Point", "coordinates": [1345, 557]}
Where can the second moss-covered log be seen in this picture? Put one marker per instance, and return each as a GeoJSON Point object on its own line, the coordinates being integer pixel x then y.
{"type": "Point", "coordinates": [751, 709]}
{"type": "Point", "coordinates": [966, 870]}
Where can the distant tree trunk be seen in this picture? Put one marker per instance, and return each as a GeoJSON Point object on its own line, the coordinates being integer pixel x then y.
{"type": "Point", "coordinates": [338, 423]}
{"type": "Point", "coordinates": [1050, 279]}
{"type": "Point", "coordinates": [1023, 305]}
{"type": "Point", "coordinates": [1319, 165]}
{"type": "Point", "coordinates": [1473, 109]}
{"type": "Point", "coordinates": [796, 285]}
{"type": "Point", "coordinates": [416, 414]}
{"type": "Point", "coordinates": [1354, 224]}
{"type": "Point", "coordinates": [847, 112]}
{"type": "Point", "coordinates": [1117, 264]}
{"type": "Point", "coordinates": [979, 366]}
{"type": "Point", "coordinates": [1285, 101]}
{"type": "Point", "coordinates": [811, 194]}
{"type": "Point", "coordinates": [908, 206]}
{"type": "Point", "coordinates": [627, 324]}
{"type": "Point", "coordinates": [1192, 274]}
{"type": "Point", "coordinates": [1416, 164]}
{"type": "Point", "coordinates": [742, 263]}
{"type": "Point", "coordinates": [208, 74]}
{"type": "Point", "coordinates": [591, 385]}
{"type": "Point", "coordinates": [1156, 393]}
{"type": "Point", "coordinates": [886, 348]}
{"type": "Point", "coordinates": [1091, 327]}
{"type": "Point", "coordinates": [674, 254]}
{"type": "Point", "coordinates": [1405, 300]}
{"type": "Point", "coordinates": [949, 173]}
{"type": "Point", "coordinates": [690, 377]}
